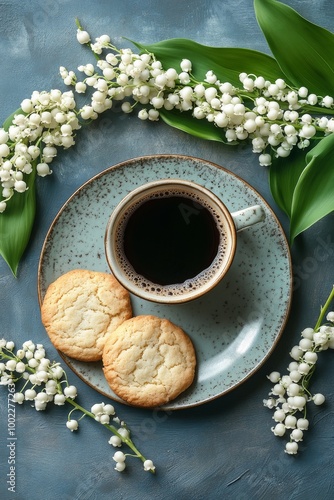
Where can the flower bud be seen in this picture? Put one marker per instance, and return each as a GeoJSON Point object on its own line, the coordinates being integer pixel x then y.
{"type": "Point", "coordinates": [83, 37]}
{"type": "Point", "coordinates": [186, 65]}
{"type": "Point", "coordinates": [318, 399]}
{"type": "Point", "coordinates": [72, 425]}
{"type": "Point", "coordinates": [291, 448]}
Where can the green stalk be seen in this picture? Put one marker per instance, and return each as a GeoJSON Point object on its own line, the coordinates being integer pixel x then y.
{"type": "Point", "coordinates": [323, 309]}
{"type": "Point", "coordinates": [307, 378]}
{"type": "Point", "coordinates": [110, 427]}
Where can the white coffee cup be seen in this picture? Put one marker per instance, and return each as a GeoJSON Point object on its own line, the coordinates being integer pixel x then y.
{"type": "Point", "coordinates": [172, 240]}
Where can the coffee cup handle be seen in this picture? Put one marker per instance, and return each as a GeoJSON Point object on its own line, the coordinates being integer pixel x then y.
{"type": "Point", "coordinates": [248, 217]}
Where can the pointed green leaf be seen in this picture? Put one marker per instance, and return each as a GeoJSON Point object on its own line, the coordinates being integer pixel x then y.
{"type": "Point", "coordinates": [226, 63]}
{"type": "Point", "coordinates": [17, 220]}
{"type": "Point", "coordinates": [16, 224]}
{"type": "Point", "coordinates": [283, 177]}
{"type": "Point", "coordinates": [304, 51]}
{"type": "Point", "coordinates": [187, 123]}
{"type": "Point", "coordinates": [313, 197]}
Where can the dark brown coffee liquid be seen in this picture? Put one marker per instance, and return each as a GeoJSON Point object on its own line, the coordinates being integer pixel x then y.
{"type": "Point", "coordinates": [169, 240]}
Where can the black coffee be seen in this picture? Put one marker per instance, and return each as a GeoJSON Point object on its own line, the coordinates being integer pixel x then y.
{"type": "Point", "coordinates": [172, 239]}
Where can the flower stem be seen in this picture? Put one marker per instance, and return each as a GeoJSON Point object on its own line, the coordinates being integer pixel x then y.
{"type": "Point", "coordinates": [110, 427]}
{"type": "Point", "coordinates": [323, 309]}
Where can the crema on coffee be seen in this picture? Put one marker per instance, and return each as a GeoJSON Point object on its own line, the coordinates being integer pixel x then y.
{"type": "Point", "coordinates": [171, 242]}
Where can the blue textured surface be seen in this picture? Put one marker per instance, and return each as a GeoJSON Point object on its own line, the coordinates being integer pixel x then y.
{"type": "Point", "coordinates": [223, 449]}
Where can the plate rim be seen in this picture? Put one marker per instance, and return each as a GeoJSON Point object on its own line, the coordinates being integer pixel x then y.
{"type": "Point", "coordinates": [142, 159]}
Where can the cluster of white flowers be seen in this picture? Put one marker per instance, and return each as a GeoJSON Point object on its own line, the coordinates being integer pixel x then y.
{"type": "Point", "coordinates": [44, 122]}
{"type": "Point", "coordinates": [290, 394]}
{"type": "Point", "coordinates": [41, 379]}
{"type": "Point", "coordinates": [274, 117]}
{"type": "Point", "coordinates": [43, 382]}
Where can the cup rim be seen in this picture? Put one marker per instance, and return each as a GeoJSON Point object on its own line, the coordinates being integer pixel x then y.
{"type": "Point", "coordinates": [113, 221]}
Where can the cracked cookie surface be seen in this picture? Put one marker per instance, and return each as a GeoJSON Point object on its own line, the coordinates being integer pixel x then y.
{"type": "Point", "coordinates": [148, 361]}
{"type": "Point", "coordinates": [80, 309]}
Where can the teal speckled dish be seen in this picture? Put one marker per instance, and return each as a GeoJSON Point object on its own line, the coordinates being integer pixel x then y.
{"type": "Point", "coordinates": [236, 326]}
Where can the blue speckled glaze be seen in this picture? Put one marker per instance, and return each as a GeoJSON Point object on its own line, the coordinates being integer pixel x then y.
{"type": "Point", "coordinates": [236, 326]}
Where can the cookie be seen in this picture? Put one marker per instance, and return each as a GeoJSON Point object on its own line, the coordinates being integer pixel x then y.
{"type": "Point", "coordinates": [148, 361]}
{"type": "Point", "coordinates": [80, 309]}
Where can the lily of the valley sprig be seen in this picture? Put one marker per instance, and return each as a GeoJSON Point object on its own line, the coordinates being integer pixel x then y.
{"type": "Point", "coordinates": [45, 121]}
{"type": "Point", "coordinates": [291, 395]}
{"type": "Point", "coordinates": [40, 382]}
{"type": "Point", "coordinates": [274, 116]}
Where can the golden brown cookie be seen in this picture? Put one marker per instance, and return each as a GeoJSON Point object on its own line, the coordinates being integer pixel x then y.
{"type": "Point", "coordinates": [80, 309]}
{"type": "Point", "coordinates": [148, 361]}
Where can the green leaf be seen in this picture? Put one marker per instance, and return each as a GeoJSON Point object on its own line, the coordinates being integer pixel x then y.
{"type": "Point", "coordinates": [17, 220]}
{"type": "Point", "coordinates": [187, 123]}
{"type": "Point", "coordinates": [226, 63]}
{"type": "Point", "coordinates": [283, 177]}
{"type": "Point", "coordinates": [313, 197]}
{"type": "Point", "coordinates": [16, 223]}
{"type": "Point", "coordinates": [304, 51]}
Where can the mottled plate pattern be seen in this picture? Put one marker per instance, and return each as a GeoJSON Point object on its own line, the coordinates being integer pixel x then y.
{"type": "Point", "coordinates": [236, 326]}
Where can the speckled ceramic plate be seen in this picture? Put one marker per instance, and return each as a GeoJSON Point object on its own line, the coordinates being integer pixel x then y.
{"type": "Point", "coordinates": [236, 326]}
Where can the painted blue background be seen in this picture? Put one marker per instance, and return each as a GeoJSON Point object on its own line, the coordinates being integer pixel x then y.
{"type": "Point", "coordinates": [199, 453]}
